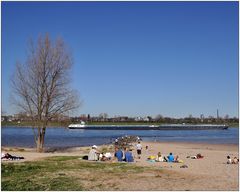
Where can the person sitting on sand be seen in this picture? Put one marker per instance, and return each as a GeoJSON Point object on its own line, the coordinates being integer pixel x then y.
{"type": "Point", "coordinates": [235, 160]}
{"type": "Point", "coordinates": [123, 156]}
{"type": "Point", "coordinates": [93, 154]}
{"type": "Point", "coordinates": [165, 159]}
{"type": "Point", "coordinates": [229, 161]}
{"type": "Point", "coordinates": [178, 160]}
{"type": "Point", "coordinates": [159, 157]}
{"type": "Point", "coordinates": [7, 156]}
{"type": "Point", "coordinates": [105, 156]}
{"type": "Point", "coordinates": [199, 156]}
{"type": "Point", "coordinates": [128, 156]}
{"type": "Point", "coordinates": [170, 158]}
{"type": "Point", "coordinates": [102, 157]}
{"type": "Point", "coordinates": [108, 155]}
{"type": "Point", "coordinates": [119, 154]}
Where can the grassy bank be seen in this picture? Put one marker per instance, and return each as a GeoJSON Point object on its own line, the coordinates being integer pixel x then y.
{"type": "Point", "coordinates": [69, 173]}
{"type": "Point", "coordinates": [30, 124]}
{"type": "Point", "coordinates": [234, 125]}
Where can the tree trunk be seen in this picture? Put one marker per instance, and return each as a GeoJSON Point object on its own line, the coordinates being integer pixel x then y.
{"type": "Point", "coordinates": [40, 139]}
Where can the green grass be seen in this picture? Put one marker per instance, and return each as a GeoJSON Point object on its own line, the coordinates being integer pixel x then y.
{"type": "Point", "coordinates": [234, 125]}
{"type": "Point", "coordinates": [62, 173]}
{"type": "Point", "coordinates": [30, 124]}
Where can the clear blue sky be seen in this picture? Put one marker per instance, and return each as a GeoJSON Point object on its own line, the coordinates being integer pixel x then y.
{"type": "Point", "coordinates": [135, 58]}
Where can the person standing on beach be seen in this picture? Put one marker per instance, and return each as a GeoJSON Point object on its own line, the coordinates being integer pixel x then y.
{"type": "Point", "coordinates": [147, 149]}
{"type": "Point", "coordinates": [139, 149]}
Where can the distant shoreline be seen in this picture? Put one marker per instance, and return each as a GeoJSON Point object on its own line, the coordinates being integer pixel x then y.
{"type": "Point", "coordinates": [71, 148]}
{"type": "Point", "coordinates": [59, 125]}
{"type": "Point", "coordinates": [193, 145]}
{"type": "Point", "coordinates": [60, 148]}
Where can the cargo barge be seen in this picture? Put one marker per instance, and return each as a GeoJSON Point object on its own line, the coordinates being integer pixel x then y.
{"type": "Point", "coordinates": [149, 127]}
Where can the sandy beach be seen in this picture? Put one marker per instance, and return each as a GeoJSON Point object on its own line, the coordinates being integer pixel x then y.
{"type": "Point", "coordinates": [209, 173]}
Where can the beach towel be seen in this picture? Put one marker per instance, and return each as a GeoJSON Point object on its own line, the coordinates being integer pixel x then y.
{"type": "Point", "coordinates": [151, 160]}
{"type": "Point", "coordinates": [179, 161]}
{"type": "Point", "coordinates": [151, 157]}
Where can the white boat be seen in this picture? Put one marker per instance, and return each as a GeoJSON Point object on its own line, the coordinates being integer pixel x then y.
{"type": "Point", "coordinates": [81, 125]}
{"type": "Point", "coordinates": [149, 127]}
{"type": "Point", "coordinates": [153, 126]}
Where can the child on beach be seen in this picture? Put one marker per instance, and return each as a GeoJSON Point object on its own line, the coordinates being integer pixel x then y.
{"type": "Point", "coordinates": [147, 149]}
{"type": "Point", "coordinates": [229, 161]}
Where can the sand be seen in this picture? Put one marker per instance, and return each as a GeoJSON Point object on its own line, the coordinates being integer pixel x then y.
{"type": "Point", "coordinates": [209, 173]}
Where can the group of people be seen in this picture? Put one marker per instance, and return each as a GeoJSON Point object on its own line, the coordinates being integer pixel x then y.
{"type": "Point", "coordinates": [169, 158]}
{"type": "Point", "coordinates": [95, 155]}
{"type": "Point", "coordinates": [124, 155]}
{"type": "Point", "coordinates": [234, 161]}
{"type": "Point", "coordinates": [121, 155]}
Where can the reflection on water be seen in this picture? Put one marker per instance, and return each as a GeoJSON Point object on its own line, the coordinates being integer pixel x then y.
{"type": "Point", "coordinates": [62, 137]}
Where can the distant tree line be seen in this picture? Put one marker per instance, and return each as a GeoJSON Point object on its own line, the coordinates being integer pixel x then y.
{"type": "Point", "coordinates": [103, 117]}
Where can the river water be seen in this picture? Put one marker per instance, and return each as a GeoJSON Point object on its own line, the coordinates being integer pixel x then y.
{"type": "Point", "coordinates": [63, 137]}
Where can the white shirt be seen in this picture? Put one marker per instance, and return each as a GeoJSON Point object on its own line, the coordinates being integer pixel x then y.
{"type": "Point", "coordinates": [92, 156]}
{"type": "Point", "coordinates": [139, 146]}
{"type": "Point", "coordinates": [229, 161]}
{"type": "Point", "coordinates": [3, 154]}
{"type": "Point", "coordinates": [108, 155]}
{"type": "Point", "coordinates": [160, 159]}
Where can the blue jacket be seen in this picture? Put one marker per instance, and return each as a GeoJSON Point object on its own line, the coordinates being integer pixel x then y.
{"type": "Point", "coordinates": [170, 158]}
{"type": "Point", "coordinates": [119, 155]}
{"type": "Point", "coordinates": [128, 156]}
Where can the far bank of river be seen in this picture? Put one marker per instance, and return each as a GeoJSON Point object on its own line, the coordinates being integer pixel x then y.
{"type": "Point", "coordinates": [65, 124]}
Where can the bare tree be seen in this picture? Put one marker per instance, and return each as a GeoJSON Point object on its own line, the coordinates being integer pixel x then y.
{"type": "Point", "coordinates": [158, 117]}
{"type": "Point", "coordinates": [41, 86]}
{"type": "Point", "coordinates": [103, 115]}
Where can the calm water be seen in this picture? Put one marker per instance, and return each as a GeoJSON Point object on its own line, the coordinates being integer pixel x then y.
{"type": "Point", "coordinates": [62, 137]}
